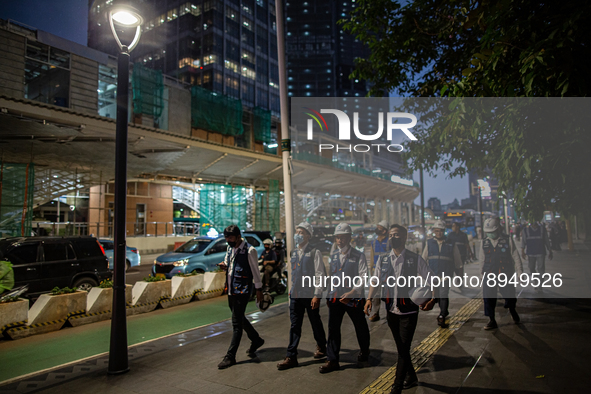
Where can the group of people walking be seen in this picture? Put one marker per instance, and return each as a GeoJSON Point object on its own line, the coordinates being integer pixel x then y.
{"type": "Point", "coordinates": [389, 258]}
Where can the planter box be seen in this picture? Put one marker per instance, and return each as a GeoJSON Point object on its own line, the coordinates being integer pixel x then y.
{"type": "Point", "coordinates": [14, 314]}
{"type": "Point", "coordinates": [99, 303]}
{"type": "Point", "coordinates": [150, 292]}
{"type": "Point", "coordinates": [213, 285]}
{"type": "Point", "coordinates": [183, 290]}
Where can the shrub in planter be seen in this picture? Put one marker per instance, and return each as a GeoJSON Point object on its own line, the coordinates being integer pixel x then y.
{"type": "Point", "coordinates": [151, 289]}
{"type": "Point", "coordinates": [57, 305]}
{"type": "Point", "coordinates": [13, 310]}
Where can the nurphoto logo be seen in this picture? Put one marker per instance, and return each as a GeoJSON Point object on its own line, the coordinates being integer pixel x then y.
{"type": "Point", "coordinates": [344, 129]}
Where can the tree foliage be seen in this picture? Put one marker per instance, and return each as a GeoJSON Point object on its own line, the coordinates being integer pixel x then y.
{"type": "Point", "coordinates": [489, 48]}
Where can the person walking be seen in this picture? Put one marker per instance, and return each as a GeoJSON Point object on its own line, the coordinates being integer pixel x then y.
{"type": "Point", "coordinates": [379, 248]}
{"type": "Point", "coordinates": [243, 277]}
{"type": "Point", "coordinates": [498, 255]}
{"type": "Point", "coordinates": [307, 273]}
{"type": "Point", "coordinates": [460, 239]}
{"type": "Point", "coordinates": [402, 312]}
{"type": "Point", "coordinates": [346, 262]}
{"type": "Point", "coordinates": [534, 243]}
{"type": "Point", "coordinates": [443, 258]}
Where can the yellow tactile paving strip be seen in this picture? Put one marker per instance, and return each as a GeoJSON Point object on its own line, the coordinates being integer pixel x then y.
{"type": "Point", "coordinates": [421, 354]}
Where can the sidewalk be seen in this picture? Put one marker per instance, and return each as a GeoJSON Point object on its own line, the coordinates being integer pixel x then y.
{"type": "Point", "coordinates": [547, 353]}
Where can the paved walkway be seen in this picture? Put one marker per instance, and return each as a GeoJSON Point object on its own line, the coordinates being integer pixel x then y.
{"type": "Point", "coordinates": [547, 353]}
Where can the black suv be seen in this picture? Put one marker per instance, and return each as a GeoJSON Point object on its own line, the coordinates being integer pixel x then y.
{"type": "Point", "coordinates": [46, 262]}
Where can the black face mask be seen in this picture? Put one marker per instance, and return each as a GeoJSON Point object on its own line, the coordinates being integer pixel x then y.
{"type": "Point", "coordinates": [232, 244]}
{"type": "Point", "coordinates": [396, 243]}
{"type": "Point", "coordinates": [381, 232]}
{"type": "Point", "coordinates": [277, 246]}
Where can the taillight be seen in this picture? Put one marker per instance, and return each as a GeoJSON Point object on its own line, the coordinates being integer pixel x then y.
{"type": "Point", "coordinates": [134, 251]}
{"type": "Point", "coordinates": [101, 246]}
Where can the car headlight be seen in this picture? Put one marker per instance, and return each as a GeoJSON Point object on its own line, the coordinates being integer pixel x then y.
{"type": "Point", "coordinates": [181, 263]}
{"type": "Point", "coordinates": [156, 262]}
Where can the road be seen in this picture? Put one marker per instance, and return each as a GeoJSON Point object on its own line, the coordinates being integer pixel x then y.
{"type": "Point", "coordinates": [138, 273]}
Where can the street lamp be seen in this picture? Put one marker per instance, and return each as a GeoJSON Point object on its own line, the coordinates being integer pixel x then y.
{"type": "Point", "coordinates": [123, 17]}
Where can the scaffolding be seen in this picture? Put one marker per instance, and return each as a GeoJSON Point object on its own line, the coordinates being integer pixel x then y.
{"type": "Point", "coordinates": [148, 91]}
{"type": "Point", "coordinates": [214, 112]}
{"type": "Point", "coordinates": [221, 206]}
{"type": "Point", "coordinates": [16, 199]}
{"type": "Point", "coordinates": [262, 125]}
{"type": "Point", "coordinates": [268, 208]}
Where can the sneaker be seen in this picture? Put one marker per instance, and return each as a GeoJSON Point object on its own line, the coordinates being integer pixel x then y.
{"type": "Point", "coordinates": [491, 325]}
{"type": "Point", "coordinates": [514, 315]}
{"type": "Point", "coordinates": [254, 347]}
{"type": "Point", "coordinates": [227, 362]}
{"type": "Point", "coordinates": [375, 317]}
{"type": "Point", "coordinates": [441, 322]}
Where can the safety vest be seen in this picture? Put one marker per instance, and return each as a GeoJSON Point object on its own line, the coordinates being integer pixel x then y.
{"type": "Point", "coordinates": [301, 268]}
{"type": "Point", "coordinates": [534, 242]}
{"type": "Point", "coordinates": [461, 240]}
{"type": "Point", "coordinates": [497, 259]}
{"type": "Point", "coordinates": [440, 261]}
{"type": "Point", "coordinates": [380, 248]}
{"type": "Point", "coordinates": [349, 269]}
{"type": "Point", "coordinates": [242, 279]}
{"type": "Point", "coordinates": [409, 269]}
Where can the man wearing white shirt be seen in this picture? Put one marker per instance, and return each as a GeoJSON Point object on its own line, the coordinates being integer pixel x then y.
{"type": "Point", "coordinates": [403, 314]}
{"type": "Point", "coordinates": [347, 298]}
{"type": "Point", "coordinates": [307, 273]}
{"type": "Point", "coordinates": [241, 262]}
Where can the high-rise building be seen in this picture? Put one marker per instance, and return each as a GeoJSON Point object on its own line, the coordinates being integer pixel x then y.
{"type": "Point", "coordinates": [226, 46]}
{"type": "Point", "coordinates": [320, 55]}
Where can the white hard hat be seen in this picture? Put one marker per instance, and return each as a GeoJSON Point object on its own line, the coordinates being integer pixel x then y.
{"type": "Point", "coordinates": [491, 225]}
{"type": "Point", "coordinates": [306, 226]}
{"type": "Point", "coordinates": [384, 224]}
{"type": "Point", "coordinates": [342, 228]}
{"type": "Point", "coordinates": [439, 224]}
{"type": "Point", "coordinates": [420, 295]}
{"type": "Point", "coordinates": [266, 301]}
{"type": "Point", "coordinates": [268, 241]}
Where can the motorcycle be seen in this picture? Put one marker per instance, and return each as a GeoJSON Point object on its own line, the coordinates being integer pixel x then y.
{"type": "Point", "coordinates": [277, 281]}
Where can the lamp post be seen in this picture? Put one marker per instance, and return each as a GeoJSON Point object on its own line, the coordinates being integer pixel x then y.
{"type": "Point", "coordinates": [125, 17]}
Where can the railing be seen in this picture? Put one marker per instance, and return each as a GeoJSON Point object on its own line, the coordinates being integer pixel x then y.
{"type": "Point", "coordinates": [102, 229]}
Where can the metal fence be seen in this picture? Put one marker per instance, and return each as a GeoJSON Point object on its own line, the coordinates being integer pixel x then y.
{"type": "Point", "coordinates": [102, 229]}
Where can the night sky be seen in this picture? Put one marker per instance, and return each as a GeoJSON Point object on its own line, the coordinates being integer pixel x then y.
{"type": "Point", "coordinates": [69, 19]}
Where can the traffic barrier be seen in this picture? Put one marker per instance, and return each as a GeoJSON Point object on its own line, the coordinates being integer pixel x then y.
{"type": "Point", "coordinates": [148, 292]}
{"type": "Point", "coordinates": [204, 295]}
{"type": "Point", "coordinates": [12, 314]}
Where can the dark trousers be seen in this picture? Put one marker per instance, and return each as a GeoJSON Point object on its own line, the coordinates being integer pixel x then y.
{"type": "Point", "coordinates": [297, 308]}
{"type": "Point", "coordinates": [489, 294]}
{"type": "Point", "coordinates": [403, 329]}
{"type": "Point", "coordinates": [237, 305]}
{"type": "Point", "coordinates": [336, 312]}
{"type": "Point", "coordinates": [442, 293]}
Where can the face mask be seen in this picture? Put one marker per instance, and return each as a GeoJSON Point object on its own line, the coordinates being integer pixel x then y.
{"type": "Point", "coordinates": [267, 247]}
{"type": "Point", "coordinates": [232, 244]}
{"type": "Point", "coordinates": [298, 239]}
{"type": "Point", "coordinates": [492, 235]}
{"type": "Point", "coordinates": [380, 232]}
{"type": "Point", "coordinates": [396, 243]}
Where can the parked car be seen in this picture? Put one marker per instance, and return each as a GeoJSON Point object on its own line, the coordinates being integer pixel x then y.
{"type": "Point", "coordinates": [200, 254]}
{"type": "Point", "coordinates": [132, 255]}
{"type": "Point", "coordinates": [47, 262]}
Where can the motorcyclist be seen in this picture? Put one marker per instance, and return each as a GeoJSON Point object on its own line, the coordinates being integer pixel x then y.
{"type": "Point", "coordinates": [269, 262]}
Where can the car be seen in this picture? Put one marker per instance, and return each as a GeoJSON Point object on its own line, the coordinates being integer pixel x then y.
{"type": "Point", "coordinates": [200, 254]}
{"type": "Point", "coordinates": [132, 255]}
{"type": "Point", "coordinates": [47, 262]}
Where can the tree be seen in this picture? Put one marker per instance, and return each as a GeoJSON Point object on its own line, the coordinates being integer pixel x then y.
{"type": "Point", "coordinates": [489, 48]}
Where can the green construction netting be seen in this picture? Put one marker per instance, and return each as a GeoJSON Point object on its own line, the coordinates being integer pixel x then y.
{"type": "Point", "coordinates": [262, 125]}
{"type": "Point", "coordinates": [148, 90]}
{"type": "Point", "coordinates": [221, 206]}
{"type": "Point", "coordinates": [215, 112]}
{"type": "Point", "coordinates": [267, 213]}
{"type": "Point", "coordinates": [16, 199]}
